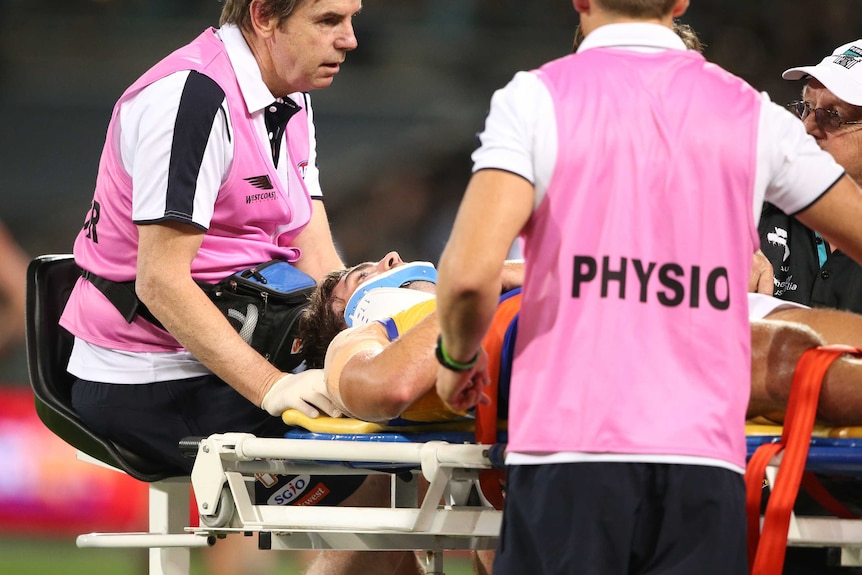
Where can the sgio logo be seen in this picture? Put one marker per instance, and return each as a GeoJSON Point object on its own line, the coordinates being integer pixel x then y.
{"type": "Point", "coordinates": [287, 494]}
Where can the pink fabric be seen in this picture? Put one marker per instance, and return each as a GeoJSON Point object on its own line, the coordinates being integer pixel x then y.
{"type": "Point", "coordinates": [606, 362]}
{"type": "Point", "coordinates": [242, 232]}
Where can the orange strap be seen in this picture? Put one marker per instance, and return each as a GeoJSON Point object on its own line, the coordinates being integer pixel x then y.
{"type": "Point", "coordinates": [766, 550]}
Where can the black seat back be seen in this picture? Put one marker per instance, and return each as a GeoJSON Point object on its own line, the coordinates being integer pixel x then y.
{"type": "Point", "coordinates": [50, 279]}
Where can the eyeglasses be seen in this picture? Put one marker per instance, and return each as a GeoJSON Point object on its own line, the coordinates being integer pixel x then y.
{"type": "Point", "coordinates": [827, 120]}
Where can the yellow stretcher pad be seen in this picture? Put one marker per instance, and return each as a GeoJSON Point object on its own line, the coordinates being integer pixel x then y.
{"type": "Point", "coordinates": [347, 425]}
{"type": "Point", "coordinates": [838, 432]}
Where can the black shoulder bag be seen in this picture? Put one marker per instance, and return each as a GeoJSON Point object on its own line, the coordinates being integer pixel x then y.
{"type": "Point", "coordinates": [263, 304]}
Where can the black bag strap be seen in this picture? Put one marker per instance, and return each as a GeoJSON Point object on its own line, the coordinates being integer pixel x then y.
{"type": "Point", "coordinates": [123, 296]}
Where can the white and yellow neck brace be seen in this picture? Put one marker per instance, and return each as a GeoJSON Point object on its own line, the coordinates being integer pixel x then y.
{"type": "Point", "coordinates": [385, 295]}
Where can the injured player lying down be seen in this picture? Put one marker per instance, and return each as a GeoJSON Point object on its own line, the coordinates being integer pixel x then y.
{"type": "Point", "coordinates": [373, 329]}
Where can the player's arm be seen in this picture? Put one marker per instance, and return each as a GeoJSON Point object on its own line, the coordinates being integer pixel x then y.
{"type": "Point", "coordinates": [375, 380]}
{"type": "Point", "coordinates": [496, 206]}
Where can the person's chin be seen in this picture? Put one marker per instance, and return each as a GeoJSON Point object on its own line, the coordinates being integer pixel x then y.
{"type": "Point", "coordinates": [322, 82]}
{"type": "Point", "coordinates": [423, 286]}
{"type": "Point", "coordinates": [329, 72]}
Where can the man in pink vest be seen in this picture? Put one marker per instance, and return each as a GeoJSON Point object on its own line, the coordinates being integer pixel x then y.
{"type": "Point", "coordinates": [209, 167]}
{"type": "Point", "coordinates": [633, 171]}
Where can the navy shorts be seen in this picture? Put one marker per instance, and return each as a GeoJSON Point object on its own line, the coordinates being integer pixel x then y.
{"type": "Point", "coordinates": [622, 519]}
{"type": "Point", "coordinates": [151, 419]}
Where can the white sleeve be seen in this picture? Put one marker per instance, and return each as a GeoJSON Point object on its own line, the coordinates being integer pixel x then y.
{"type": "Point", "coordinates": [312, 172]}
{"type": "Point", "coordinates": [520, 133]}
{"type": "Point", "coordinates": [792, 170]}
{"type": "Point", "coordinates": [146, 139]}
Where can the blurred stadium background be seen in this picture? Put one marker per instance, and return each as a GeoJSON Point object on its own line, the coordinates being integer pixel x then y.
{"type": "Point", "coordinates": [395, 132]}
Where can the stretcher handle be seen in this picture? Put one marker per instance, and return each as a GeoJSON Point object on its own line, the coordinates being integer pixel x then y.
{"type": "Point", "coordinates": [189, 445]}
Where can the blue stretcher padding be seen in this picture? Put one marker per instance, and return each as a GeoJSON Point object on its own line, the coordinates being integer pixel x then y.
{"type": "Point", "coordinates": [825, 455]}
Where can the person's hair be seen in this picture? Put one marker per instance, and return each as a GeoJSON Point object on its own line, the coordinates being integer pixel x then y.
{"type": "Point", "coordinates": [684, 31]}
{"type": "Point", "coordinates": [689, 36]}
{"type": "Point", "coordinates": [236, 11]}
{"type": "Point", "coordinates": [641, 9]}
{"type": "Point", "coordinates": [320, 322]}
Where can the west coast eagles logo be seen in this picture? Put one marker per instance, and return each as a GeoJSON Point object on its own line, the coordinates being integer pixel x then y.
{"type": "Point", "coordinates": [260, 182]}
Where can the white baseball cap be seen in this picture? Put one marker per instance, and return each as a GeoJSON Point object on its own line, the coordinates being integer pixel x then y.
{"type": "Point", "coordinates": [840, 72]}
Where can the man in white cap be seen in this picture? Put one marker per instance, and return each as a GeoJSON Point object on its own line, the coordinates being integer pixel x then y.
{"type": "Point", "coordinates": [807, 269]}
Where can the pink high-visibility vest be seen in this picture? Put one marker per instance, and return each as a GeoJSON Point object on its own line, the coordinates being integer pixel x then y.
{"type": "Point", "coordinates": [633, 336]}
{"type": "Point", "coordinates": [254, 220]}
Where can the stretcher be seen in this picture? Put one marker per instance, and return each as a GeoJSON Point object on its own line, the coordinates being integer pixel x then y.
{"type": "Point", "coordinates": [446, 517]}
{"type": "Point", "coordinates": [454, 513]}
{"type": "Point", "coordinates": [450, 514]}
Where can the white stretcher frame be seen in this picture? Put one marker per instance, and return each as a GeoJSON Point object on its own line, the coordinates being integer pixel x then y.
{"type": "Point", "coordinates": [226, 464]}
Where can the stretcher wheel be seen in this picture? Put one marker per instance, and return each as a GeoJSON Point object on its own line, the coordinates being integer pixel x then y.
{"type": "Point", "coordinates": [225, 509]}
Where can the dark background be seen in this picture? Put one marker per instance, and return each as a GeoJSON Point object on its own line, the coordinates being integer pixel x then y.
{"type": "Point", "coordinates": [395, 130]}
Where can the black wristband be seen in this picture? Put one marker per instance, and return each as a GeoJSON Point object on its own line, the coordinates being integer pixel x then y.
{"type": "Point", "coordinates": [449, 363]}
